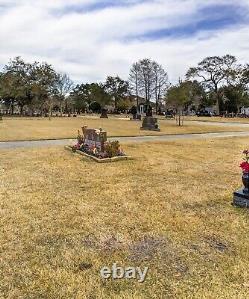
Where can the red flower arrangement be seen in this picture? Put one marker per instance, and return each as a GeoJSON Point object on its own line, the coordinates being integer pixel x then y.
{"type": "Point", "coordinates": [245, 165]}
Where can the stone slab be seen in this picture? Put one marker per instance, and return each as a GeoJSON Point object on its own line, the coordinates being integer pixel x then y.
{"type": "Point", "coordinates": [240, 199]}
{"type": "Point", "coordinates": [150, 124]}
{"type": "Point", "coordinates": [150, 129]}
{"type": "Point", "coordinates": [105, 160]}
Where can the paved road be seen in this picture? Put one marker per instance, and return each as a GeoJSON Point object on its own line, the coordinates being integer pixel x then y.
{"type": "Point", "coordinates": [46, 143]}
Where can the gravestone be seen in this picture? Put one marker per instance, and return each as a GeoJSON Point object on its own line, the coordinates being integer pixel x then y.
{"type": "Point", "coordinates": [135, 114]}
{"type": "Point", "coordinates": [103, 113]}
{"type": "Point", "coordinates": [94, 137]}
{"type": "Point", "coordinates": [148, 110]}
{"type": "Point", "coordinates": [150, 123]}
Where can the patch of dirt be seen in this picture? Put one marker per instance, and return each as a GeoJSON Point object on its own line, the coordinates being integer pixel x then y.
{"type": "Point", "coordinates": [147, 248]}
{"type": "Point", "coordinates": [166, 256]}
{"type": "Point", "coordinates": [104, 243]}
{"type": "Point", "coordinates": [55, 241]}
{"type": "Point", "coordinates": [85, 266]}
{"type": "Point", "coordinates": [216, 244]}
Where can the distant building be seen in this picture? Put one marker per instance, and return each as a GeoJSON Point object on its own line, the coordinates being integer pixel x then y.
{"type": "Point", "coordinates": [133, 100]}
{"type": "Point", "coordinates": [211, 109]}
{"type": "Point", "coordinates": [1, 108]}
{"type": "Point", "coordinates": [245, 110]}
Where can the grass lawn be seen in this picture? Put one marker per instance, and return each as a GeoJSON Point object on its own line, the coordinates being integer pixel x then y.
{"type": "Point", "coordinates": [169, 209]}
{"type": "Point", "coordinates": [219, 119]}
{"type": "Point", "coordinates": [30, 129]}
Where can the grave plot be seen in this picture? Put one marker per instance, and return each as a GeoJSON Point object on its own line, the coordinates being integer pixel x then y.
{"type": "Point", "coordinates": [93, 144]}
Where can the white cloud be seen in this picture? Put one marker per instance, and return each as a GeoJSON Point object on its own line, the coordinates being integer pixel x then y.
{"type": "Point", "coordinates": [89, 45]}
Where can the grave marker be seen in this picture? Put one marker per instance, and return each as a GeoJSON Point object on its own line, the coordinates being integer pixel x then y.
{"type": "Point", "coordinates": [94, 137]}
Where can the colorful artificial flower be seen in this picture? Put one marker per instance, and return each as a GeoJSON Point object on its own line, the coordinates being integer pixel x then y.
{"type": "Point", "coordinates": [245, 165]}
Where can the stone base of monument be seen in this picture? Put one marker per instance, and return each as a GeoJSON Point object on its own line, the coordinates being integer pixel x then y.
{"type": "Point", "coordinates": [105, 160]}
{"type": "Point", "coordinates": [104, 114]}
{"type": "Point", "coordinates": [150, 124]}
{"type": "Point", "coordinates": [241, 199]}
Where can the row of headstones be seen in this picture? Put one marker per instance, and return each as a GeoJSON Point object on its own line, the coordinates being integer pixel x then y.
{"type": "Point", "coordinates": [150, 123]}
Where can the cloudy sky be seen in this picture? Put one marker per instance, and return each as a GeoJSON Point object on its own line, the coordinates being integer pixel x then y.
{"type": "Point", "coordinates": [90, 39]}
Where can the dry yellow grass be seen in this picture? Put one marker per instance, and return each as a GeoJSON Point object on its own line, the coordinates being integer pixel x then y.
{"type": "Point", "coordinates": [30, 129]}
{"type": "Point", "coordinates": [219, 119]}
{"type": "Point", "coordinates": [169, 209]}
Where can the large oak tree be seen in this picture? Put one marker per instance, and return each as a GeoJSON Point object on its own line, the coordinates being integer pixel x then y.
{"type": "Point", "coordinates": [215, 72]}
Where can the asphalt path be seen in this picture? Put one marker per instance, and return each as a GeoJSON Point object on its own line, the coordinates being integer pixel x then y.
{"type": "Point", "coordinates": [175, 137]}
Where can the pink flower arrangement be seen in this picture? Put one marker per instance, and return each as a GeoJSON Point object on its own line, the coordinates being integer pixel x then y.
{"type": "Point", "coordinates": [121, 152]}
{"type": "Point", "coordinates": [78, 145]}
{"type": "Point", "coordinates": [245, 164]}
{"type": "Point", "coordinates": [94, 150]}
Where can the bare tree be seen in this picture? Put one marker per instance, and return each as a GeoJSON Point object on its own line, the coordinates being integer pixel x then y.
{"type": "Point", "coordinates": [161, 82]}
{"type": "Point", "coordinates": [64, 87]}
{"type": "Point", "coordinates": [134, 81]}
{"type": "Point", "coordinates": [148, 79]}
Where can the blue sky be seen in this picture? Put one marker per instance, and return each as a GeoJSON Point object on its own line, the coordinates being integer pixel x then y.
{"type": "Point", "coordinates": [90, 39]}
{"type": "Point", "coordinates": [209, 18]}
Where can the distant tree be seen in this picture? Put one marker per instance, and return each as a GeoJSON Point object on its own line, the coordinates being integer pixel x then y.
{"type": "Point", "coordinates": [149, 80]}
{"type": "Point", "coordinates": [244, 79]}
{"type": "Point", "coordinates": [6, 95]}
{"type": "Point", "coordinates": [35, 85]}
{"type": "Point", "coordinates": [235, 93]}
{"type": "Point", "coordinates": [116, 88]}
{"type": "Point", "coordinates": [95, 107]}
{"type": "Point", "coordinates": [64, 86]}
{"type": "Point", "coordinates": [197, 95]}
{"type": "Point", "coordinates": [234, 97]}
{"type": "Point", "coordinates": [161, 83]}
{"type": "Point", "coordinates": [99, 94]}
{"type": "Point", "coordinates": [81, 96]}
{"type": "Point", "coordinates": [134, 81]}
{"type": "Point", "coordinates": [16, 83]}
{"type": "Point", "coordinates": [214, 72]}
{"type": "Point", "coordinates": [179, 96]}
{"type": "Point", "coordinates": [44, 87]}
{"type": "Point", "coordinates": [124, 104]}
{"type": "Point", "coordinates": [85, 94]}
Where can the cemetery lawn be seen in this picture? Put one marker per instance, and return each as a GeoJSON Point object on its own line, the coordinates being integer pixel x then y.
{"type": "Point", "coordinates": [219, 119]}
{"type": "Point", "coordinates": [12, 129]}
{"type": "Point", "coordinates": [169, 209]}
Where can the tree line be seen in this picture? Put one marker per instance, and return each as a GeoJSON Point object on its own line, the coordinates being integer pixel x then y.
{"type": "Point", "coordinates": [39, 88]}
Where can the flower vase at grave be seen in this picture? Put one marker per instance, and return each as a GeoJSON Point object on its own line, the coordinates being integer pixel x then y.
{"type": "Point", "coordinates": [241, 197]}
{"type": "Point", "coordinates": [245, 180]}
